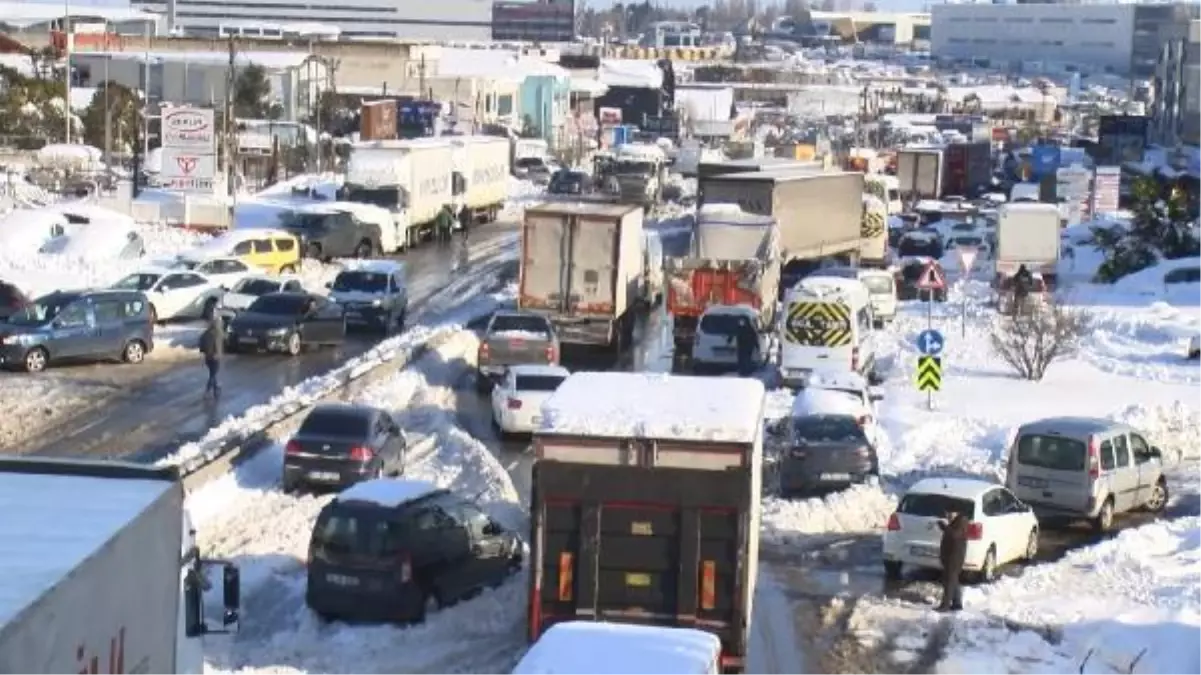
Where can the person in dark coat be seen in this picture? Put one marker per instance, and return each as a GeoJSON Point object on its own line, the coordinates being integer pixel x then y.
{"type": "Point", "coordinates": [747, 339]}
{"type": "Point", "coordinates": [212, 346]}
{"type": "Point", "coordinates": [951, 552]}
{"type": "Point", "coordinates": [1023, 283]}
{"type": "Point", "coordinates": [444, 224]}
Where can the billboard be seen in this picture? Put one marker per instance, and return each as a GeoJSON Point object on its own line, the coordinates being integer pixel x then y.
{"type": "Point", "coordinates": [1044, 161]}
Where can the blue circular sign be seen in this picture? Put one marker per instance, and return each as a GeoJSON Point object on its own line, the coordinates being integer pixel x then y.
{"type": "Point", "coordinates": [930, 342]}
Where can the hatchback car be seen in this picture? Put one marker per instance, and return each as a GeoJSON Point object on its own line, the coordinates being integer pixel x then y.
{"type": "Point", "coordinates": [1002, 528]}
{"type": "Point", "coordinates": [395, 550]}
{"type": "Point", "coordinates": [831, 443]}
{"type": "Point", "coordinates": [1085, 468]}
{"type": "Point", "coordinates": [517, 399]}
{"type": "Point", "coordinates": [340, 444]}
{"type": "Point", "coordinates": [286, 322]}
{"type": "Point", "coordinates": [99, 324]}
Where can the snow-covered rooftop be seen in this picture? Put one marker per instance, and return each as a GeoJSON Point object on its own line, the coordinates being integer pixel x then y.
{"type": "Point", "coordinates": [387, 492]}
{"type": "Point", "coordinates": [652, 405]}
{"type": "Point", "coordinates": [620, 649]}
{"type": "Point", "coordinates": [268, 60]}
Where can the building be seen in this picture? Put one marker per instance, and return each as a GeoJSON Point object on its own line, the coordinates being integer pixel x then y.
{"type": "Point", "coordinates": [89, 23]}
{"type": "Point", "coordinates": [441, 20]}
{"type": "Point", "coordinates": [1176, 110]}
{"type": "Point", "coordinates": [1117, 38]}
{"type": "Point", "coordinates": [536, 21]}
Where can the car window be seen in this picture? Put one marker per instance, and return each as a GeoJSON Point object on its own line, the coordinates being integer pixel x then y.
{"type": "Point", "coordinates": [285, 245]}
{"type": "Point", "coordinates": [335, 423]}
{"type": "Point", "coordinates": [109, 309]}
{"type": "Point", "coordinates": [1052, 452]}
{"type": "Point", "coordinates": [281, 305]}
{"type": "Point", "coordinates": [1106, 455]}
{"type": "Point", "coordinates": [517, 322]}
{"type": "Point", "coordinates": [261, 245]}
{"type": "Point", "coordinates": [232, 266]}
{"type": "Point", "coordinates": [1121, 451]}
{"type": "Point", "coordinates": [1184, 275]}
{"type": "Point", "coordinates": [538, 382]}
{"type": "Point", "coordinates": [992, 504]}
{"type": "Point", "coordinates": [431, 519]}
{"type": "Point", "coordinates": [1140, 449]}
{"type": "Point", "coordinates": [242, 248]}
{"type": "Point", "coordinates": [865, 321]}
{"type": "Point", "coordinates": [185, 281]}
{"type": "Point", "coordinates": [827, 428]}
{"type": "Point", "coordinates": [134, 308]}
{"type": "Point", "coordinates": [928, 505]}
{"type": "Point", "coordinates": [75, 314]}
{"type": "Point", "coordinates": [1009, 502]}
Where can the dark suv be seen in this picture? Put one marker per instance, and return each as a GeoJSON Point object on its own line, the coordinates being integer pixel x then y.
{"type": "Point", "coordinates": [339, 444]}
{"type": "Point", "coordinates": [394, 550]}
{"type": "Point", "coordinates": [328, 232]}
{"type": "Point", "coordinates": [374, 293]}
{"type": "Point", "coordinates": [102, 324]}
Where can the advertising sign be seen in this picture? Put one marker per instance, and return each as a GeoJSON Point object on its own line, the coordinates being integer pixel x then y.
{"type": "Point", "coordinates": [188, 172]}
{"type": "Point", "coordinates": [189, 149]}
{"type": "Point", "coordinates": [189, 128]}
{"type": "Point", "coordinates": [1108, 184]}
{"type": "Point", "coordinates": [1044, 160]}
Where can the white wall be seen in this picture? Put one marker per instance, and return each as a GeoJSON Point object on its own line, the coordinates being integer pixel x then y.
{"type": "Point", "coordinates": [1095, 36]}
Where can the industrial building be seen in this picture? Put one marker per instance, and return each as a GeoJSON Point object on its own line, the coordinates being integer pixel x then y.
{"type": "Point", "coordinates": [1117, 38]}
{"type": "Point", "coordinates": [534, 21]}
{"type": "Point", "coordinates": [441, 20]}
{"type": "Point", "coordinates": [1176, 110]}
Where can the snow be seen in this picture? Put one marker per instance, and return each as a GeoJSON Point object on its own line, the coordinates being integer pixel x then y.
{"type": "Point", "coordinates": [387, 492]}
{"type": "Point", "coordinates": [516, 334]}
{"type": "Point", "coordinates": [810, 401]}
{"type": "Point", "coordinates": [652, 405]}
{"type": "Point", "coordinates": [964, 488]}
{"type": "Point", "coordinates": [620, 649]}
{"type": "Point", "coordinates": [57, 532]}
{"type": "Point", "coordinates": [629, 73]}
{"type": "Point", "coordinates": [34, 403]}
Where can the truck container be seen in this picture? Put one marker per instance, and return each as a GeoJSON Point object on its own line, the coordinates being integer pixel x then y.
{"type": "Point", "coordinates": [645, 505]}
{"type": "Point", "coordinates": [873, 232]}
{"type": "Point", "coordinates": [411, 178]}
{"type": "Point", "coordinates": [920, 172]}
{"type": "Point", "coordinates": [818, 213]}
{"type": "Point", "coordinates": [377, 121]}
{"type": "Point", "coordinates": [581, 265]}
{"type": "Point", "coordinates": [967, 170]}
{"type": "Point", "coordinates": [735, 260]}
{"type": "Point", "coordinates": [481, 176]}
{"type": "Point", "coordinates": [1028, 234]}
{"type": "Point", "coordinates": [100, 567]}
{"type": "Point", "coordinates": [782, 164]}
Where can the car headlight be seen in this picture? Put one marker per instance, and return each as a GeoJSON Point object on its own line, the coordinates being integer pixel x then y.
{"type": "Point", "coordinates": [276, 332]}
{"type": "Point", "coordinates": [377, 303]}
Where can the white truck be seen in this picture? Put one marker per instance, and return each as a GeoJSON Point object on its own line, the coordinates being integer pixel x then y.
{"type": "Point", "coordinates": [101, 567]}
{"type": "Point", "coordinates": [581, 266]}
{"type": "Point", "coordinates": [481, 177]}
{"type": "Point", "coordinates": [412, 178]}
{"type": "Point", "coordinates": [1027, 234]}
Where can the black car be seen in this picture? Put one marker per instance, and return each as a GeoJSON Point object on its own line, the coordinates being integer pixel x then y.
{"type": "Point", "coordinates": [340, 444]}
{"type": "Point", "coordinates": [910, 274]}
{"type": "Point", "coordinates": [395, 549]}
{"type": "Point", "coordinates": [568, 182]}
{"type": "Point", "coordinates": [12, 300]}
{"type": "Point", "coordinates": [328, 232]}
{"type": "Point", "coordinates": [286, 322]}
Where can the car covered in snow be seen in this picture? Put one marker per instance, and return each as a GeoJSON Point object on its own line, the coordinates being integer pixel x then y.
{"type": "Point", "coordinates": [174, 293]}
{"type": "Point", "coordinates": [103, 239]}
{"type": "Point", "coordinates": [831, 441]}
{"type": "Point", "coordinates": [593, 646]}
{"type": "Point", "coordinates": [1002, 529]}
{"type": "Point", "coordinates": [518, 397]}
{"type": "Point", "coordinates": [25, 231]}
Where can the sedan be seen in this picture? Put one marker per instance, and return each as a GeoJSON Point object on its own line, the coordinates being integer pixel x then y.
{"type": "Point", "coordinates": [286, 322]}
{"type": "Point", "coordinates": [340, 444]}
{"type": "Point", "coordinates": [225, 271]}
{"type": "Point", "coordinates": [251, 288]}
{"type": "Point", "coordinates": [1002, 529]}
{"type": "Point", "coordinates": [517, 399]}
{"type": "Point", "coordinates": [174, 294]}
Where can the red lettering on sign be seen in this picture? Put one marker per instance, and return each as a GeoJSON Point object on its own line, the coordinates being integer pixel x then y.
{"type": "Point", "coordinates": [186, 164]}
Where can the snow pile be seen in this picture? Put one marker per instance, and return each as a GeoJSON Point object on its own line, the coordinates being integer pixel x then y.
{"type": "Point", "coordinates": [860, 508]}
{"type": "Point", "coordinates": [522, 193]}
{"type": "Point", "coordinates": [244, 517]}
{"type": "Point", "coordinates": [33, 404]}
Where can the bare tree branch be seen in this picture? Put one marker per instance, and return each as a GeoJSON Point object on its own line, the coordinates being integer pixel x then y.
{"type": "Point", "coordinates": [1031, 339]}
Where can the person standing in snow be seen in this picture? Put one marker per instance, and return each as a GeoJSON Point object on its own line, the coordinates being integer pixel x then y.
{"type": "Point", "coordinates": [951, 552]}
{"type": "Point", "coordinates": [747, 338]}
{"type": "Point", "coordinates": [212, 346]}
{"type": "Point", "coordinates": [444, 224]}
{"type": "Point", "coordinates": [1023, 282]}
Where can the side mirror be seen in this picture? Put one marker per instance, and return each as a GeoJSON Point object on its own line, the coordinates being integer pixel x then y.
{"type": "Point", "coordinates": [329, 284]}
{"type": "Point", "coordinates": [1155, 452]}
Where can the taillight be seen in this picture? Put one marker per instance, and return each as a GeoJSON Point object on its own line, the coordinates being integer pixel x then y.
{"type": "Point", "coordinates": [292, 448]}
{"type": "Point", "coordinates": [855, 359]}
{"type": "Point", "coordinates": [894, 523]}
{"type": "Point", "coordinates": [975, 531]}
{"type": "Point", "coordinates": [551, 354]}
{"type": "Point", "coordinates": [484, 353]}
{"type": "Point", "coordinates": [361, 453]}
{"type": "Point", "coordinates": [864, 420]}
{"type": "Point", "coordinates": [565, 577]}
{"type": "Point", "coordinates": [708, 584]}
{"type": "Point", "coordinates": [406, 568]}
{"type": "Point", "coordinates": [514, 404]}
{"type": "Point", "coordinates": [1094, 458]}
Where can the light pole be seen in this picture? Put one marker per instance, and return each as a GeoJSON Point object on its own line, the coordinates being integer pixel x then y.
{"type": "Point", "coordinates": [67, 78]}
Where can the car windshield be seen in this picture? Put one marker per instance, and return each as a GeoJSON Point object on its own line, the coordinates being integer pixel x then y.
{"type": "Point", "coordinates": [383, 197]}
{"type": "Point", "coordinates": [827, 429]}
{"type": "Point", "coordinates": [721, 324]}
{"type": "Point", "coordinates": [302, 221]}
{"type": "Point", "coordinates": [539, 382]}
{"type": "Point", "coordinates": [138, 282]}
{"type": "Point", "coordinates": [335, 423]}
{"type": "Point", "coordinates": [968, 241]}
{"type": "Point", "coordinates": [279, 305]}
{"type": "Point", "coordinates": [1052, 452]}
{"type": "Point", "coordinates": [362, 282]}
{"type": "Point", "coordinates": [927, 505]}
{"type": "Point", "coordinates": [256, 287]}
{"type": "Point", "coordinates": [878, 284]}
{"type": "Point", "coordinates": [42, 310]}
{"type": "Point", "coordinates": [529, 162]}
{"type": "Point", "coordinates": [511, 323]}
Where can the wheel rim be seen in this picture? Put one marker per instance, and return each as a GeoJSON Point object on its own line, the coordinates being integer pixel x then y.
{"type": "Point", "coordinates": [35, 361]}
{"type": "Point", "coordinates": [1106, 516]}
{"type": "Point", "coordinates": [1157, 498]}
{"type": "Point", "coordinates": [133, 353]}
{"type": "Point", "coordinates": [294, 344]}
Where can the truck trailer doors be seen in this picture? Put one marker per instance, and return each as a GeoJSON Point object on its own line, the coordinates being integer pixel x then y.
{"type": "Point", "coordinates": [569, 264]}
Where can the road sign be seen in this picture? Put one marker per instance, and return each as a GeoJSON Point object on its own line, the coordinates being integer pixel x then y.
{"type": "Point", "coordinates": [930, 342]}
{"type": "Point", "coordinates": [929, 373]}
{"type": "Point", "coordinates": [967, 256]}
{"type": "Point", "coordinates": [188, 171]}
{"type": "Point", "coordinates": [190, 129]}
{"type": "Point", "coordinates": [931, 279]}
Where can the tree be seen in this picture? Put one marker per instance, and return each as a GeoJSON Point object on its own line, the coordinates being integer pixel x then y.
{"type": "Point", "coordinates": [121, 112]}
{"type": "Point", "coordinates": [252, 93]}
{"type": "Point", "coordinates": [1032, 338]}
{"type": "Point", "coordinates": [1161, 229]}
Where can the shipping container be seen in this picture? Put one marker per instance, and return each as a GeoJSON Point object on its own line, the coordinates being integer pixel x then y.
{"type": "Point", "coordinates": [377, 121]}
{"type": "Point", "coordinates": [411, 178]}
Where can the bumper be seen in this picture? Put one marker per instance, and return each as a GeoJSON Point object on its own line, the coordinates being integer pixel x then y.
{"type": "Point", "coordinates": [324, 476]}
{"type": "Point", "coordinates": [366, 316]}
{"type": "Point", "coordinates": [796, 477]}
{"type": "Point", "coordinates": [925, 554]}
{"type": "Point", "coordinates": [519, 422]}
{"type": "Point", "coordinates": [257, 342]}
{"type": "Point", "coordinates": [371, 600]}
{"type": "Point", "coordinates": [11, 355]}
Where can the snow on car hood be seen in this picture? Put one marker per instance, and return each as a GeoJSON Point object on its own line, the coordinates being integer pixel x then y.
{"type": "Point", "coordinates": [238, 301]}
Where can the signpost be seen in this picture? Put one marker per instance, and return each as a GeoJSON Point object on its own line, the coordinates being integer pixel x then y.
{"type": "Point", "coordinates": [930, 341]}
{"type": "Point", "coordinates": [189, 150]}
{"type": "Point", "coordinates": [1107, 186]}
{"type": "Point", "coordinates": [929, 377]}
{"type": "Point", "coordinates": [967, 257]}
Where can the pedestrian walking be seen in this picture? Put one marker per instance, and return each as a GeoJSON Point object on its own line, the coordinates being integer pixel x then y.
{"type": "Point", "coordinates": [747, 339]}
{"type": "Point", "coordinates": [444, 224]}
{"type": "Point", "coordinates": [212, 346]}
{"type": "Point", "coordinates": [951, 552]}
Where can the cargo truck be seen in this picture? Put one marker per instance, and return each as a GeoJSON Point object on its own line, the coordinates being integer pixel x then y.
{"type": "Point", "coordinates": [707, 170]}
{"type": "Point", "coordinates": [581, 266]}
{"type": "Point", "coordinates": [411, 178]}
{"type": "Point", "coordinates": [957, 169]}
{"type": "Point", "coordinates": [735, 260]}
{"type": "Point", "coordinates": [1027, 234]}
{"type": "Point", "coordinates": [102, 572]}
{"type": "Point", "coordinates": [645, 505]}
{"type": "Point", "coordinates": [480, 178]}
{"type": "Point", "coordinates": [919, 172]}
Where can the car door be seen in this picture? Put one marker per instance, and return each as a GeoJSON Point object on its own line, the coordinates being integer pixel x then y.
{"type": "Point", "coordinates": [1124, 476]}
{"type": "Point", "coordinates": [110, 324]}
{"type": "Point", "coordinates": [1012, 514]}
{"type": "Point", "coordinates": [457, 572]}
{"type": "Point", "coordinates": [74, 331]}
{"type": "Point", "coordinates": [488, 545]}
{"type": "Point", "coordinates": [330, 316]}
{"type": "Point", "coordinates": [261, 254]}
{"type": "Point", "coordinates": [1149, 469]}
{"type": "Point", "coordinates": [164, 296]}
{"type": "Point", "coordinates": [185, 294]}
{"type": "Point", "coordinates": [244, 251]}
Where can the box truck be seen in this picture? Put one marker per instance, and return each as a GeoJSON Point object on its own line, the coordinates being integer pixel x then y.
{"type": "Point", "coordinates": [102, 572]}
{"type": "Point", "coordinates": [411, 178]}
{"type": "Point", "coordinates": [480, 177]}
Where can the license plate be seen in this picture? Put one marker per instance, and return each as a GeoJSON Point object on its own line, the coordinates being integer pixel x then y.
{"type": "Point", "coordinates": [836, 476]}
{"type": "Point", "coordinates": [342, 580]}
{"type": "Point", "coordinates": [1031, 482]}
{"type": "Point", "coordinates": [249, 341]}
{"type": "Point", "coordinates": [923, 552]}
{"type": "Point", "coordinates": [324, 475]}
{"type": "Point", "coordinates": [638, 580]}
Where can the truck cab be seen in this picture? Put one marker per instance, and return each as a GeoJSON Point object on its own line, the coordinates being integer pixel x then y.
{"type": "Point", "coordinates": [636, 173]}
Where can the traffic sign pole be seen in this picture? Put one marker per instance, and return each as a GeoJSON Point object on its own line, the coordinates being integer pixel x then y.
{"type": "Point", "coordinates": [967, 256]}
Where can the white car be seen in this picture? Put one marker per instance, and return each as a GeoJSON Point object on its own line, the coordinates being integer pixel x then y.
{"type": "Point", "coordinates": [1002, 528]}
{"type": "Point", "coordinates": [249, 288]}
{"type": "Point", "coordinates": [517, 399]}
{"type": "Point", "coordinates": [174, 293]}
{"type": "Point", "coordinates": [226, 272]}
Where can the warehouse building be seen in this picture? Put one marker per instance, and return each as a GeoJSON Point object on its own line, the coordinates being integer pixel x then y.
{"type": "Point", "coordinates": [1176, 111]}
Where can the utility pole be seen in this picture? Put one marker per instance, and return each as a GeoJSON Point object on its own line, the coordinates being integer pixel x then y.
{"type": "Point", "coordinates": [421, 77]}
{"type": "Point", "coordinates": [228, 131]}
{"type": "Point", "coordinates": [67, 77]}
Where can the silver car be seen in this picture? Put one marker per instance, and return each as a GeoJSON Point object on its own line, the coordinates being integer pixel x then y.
{"type": "Point", "coordinates": [1081, 467]}
{"type": "Point", "coordinates": [826, 452]}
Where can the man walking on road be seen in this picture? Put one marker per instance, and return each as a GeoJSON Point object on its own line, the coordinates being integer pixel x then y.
{"type": "Point", "coordinates": [212, 346]}
{"type": "Point", "coordinates": [951, 552]}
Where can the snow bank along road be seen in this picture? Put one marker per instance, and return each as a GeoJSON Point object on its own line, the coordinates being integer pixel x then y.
{"type": "Point", "coordinates": [165, 410]}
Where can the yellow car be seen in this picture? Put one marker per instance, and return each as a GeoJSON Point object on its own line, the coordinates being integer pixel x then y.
{"type": "Point", "coordinates": [274, 251]}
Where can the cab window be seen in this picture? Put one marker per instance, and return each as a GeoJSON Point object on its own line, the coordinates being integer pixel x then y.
{"type": "Point", "coordinates": [242, 248]}
{"type": "Point", "coordinates": [261, 245]}
{"type": "Point", "coordinates": [285, 245]}
{"type": "Point", "coordinates": [864, 319]}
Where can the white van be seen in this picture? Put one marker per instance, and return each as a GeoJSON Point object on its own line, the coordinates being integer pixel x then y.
{"type": "Point", "coordinates": [715, 346]}
{"type": "Point", "coordinates": [827, 324]}
{"type": "Point", "coordinates": [881, 289]}
{"type": "Point", "coordinates": [621, 649]}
